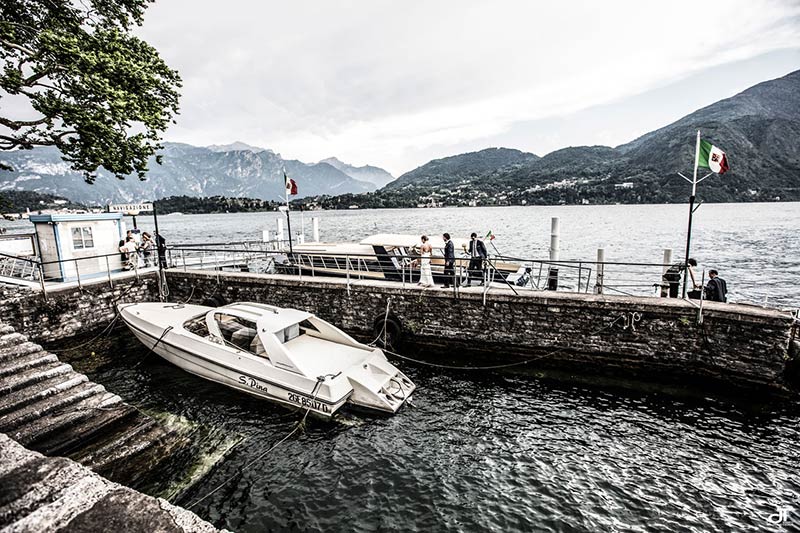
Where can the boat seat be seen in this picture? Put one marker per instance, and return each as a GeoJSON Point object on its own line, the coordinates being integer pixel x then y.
{"type": "Point", "coordinates": [243, 337]}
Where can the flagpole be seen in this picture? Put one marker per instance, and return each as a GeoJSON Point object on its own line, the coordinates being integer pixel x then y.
{"type": "Point", "coordinates": [691, 212]}
{"type": "Point", "coordinates": [288, 218]}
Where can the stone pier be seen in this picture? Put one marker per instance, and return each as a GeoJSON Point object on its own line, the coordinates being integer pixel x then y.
{"type": "Point", "coordinates": [736, 345]}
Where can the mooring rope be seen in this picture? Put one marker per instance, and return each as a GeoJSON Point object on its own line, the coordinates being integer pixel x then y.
{"type": "Point", "coordinates": [302, 421]}
{"type": "Point", "coordinates": [383, 329]}
{"type": "Point", "coordinates": [153, 347]}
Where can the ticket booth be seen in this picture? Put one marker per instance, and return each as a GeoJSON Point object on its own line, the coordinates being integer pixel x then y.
{"type": "Point", "coordinates": [73, 244]}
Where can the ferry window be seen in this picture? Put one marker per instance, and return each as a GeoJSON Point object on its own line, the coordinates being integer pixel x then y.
{"type": "Point", "coordinates": [82, 238]}
{"type": "Point", "coordinates": [237, 331]}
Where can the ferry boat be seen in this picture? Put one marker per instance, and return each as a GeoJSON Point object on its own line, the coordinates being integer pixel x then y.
{"type": "Point", "coordinates": [284, 355]}
{"type": "Point", "coordinates": [388, 257]}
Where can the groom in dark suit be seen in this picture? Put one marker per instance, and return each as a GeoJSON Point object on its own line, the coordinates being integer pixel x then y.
{"type": "Point", "coordinates": [477, 254]}
{"type": "Point", "coordinates": [449, 261]}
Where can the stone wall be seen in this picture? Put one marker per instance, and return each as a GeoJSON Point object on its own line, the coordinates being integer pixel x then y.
{"type": "Point", "coordinates": [743, 345]}
{"type": "Point", "coordinates": [736, 344]}
{"type": "Point", "coordinates": [70, 310]}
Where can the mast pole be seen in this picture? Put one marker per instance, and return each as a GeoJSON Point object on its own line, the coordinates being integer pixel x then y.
{"type": "Point", "coordinates": [288, 218]}
{"type": "Point", "coordinates": [691, 212]}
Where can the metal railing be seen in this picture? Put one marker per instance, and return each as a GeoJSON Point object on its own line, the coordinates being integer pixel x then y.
{"type": "Point", "coordinates": [78, 269]}
{"type": "Point", "coordinates": [498, 271]}
{"type": "Point", "coordinates": [608, 277]}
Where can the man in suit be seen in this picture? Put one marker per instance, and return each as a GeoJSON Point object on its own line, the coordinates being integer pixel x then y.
{"type": "Point", "coordinates": [449, 261]}
{"type": "Point", "coordinates": [717, 289]}
{"type": "Point", "coordinates": [477, 254]}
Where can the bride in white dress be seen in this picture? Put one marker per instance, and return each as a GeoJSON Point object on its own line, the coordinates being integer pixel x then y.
{"type": "Point", "coordinates": [425, 275]}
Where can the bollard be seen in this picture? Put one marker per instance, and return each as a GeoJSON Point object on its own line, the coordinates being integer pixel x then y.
{"type": "Point", "coordinates": [555, 248]}
{"type": "Point", "coordinates": [666, 262]}
{"type": "Point", "coordinates": [315, 229]}
{"type": "Point", "coordinates": [601, 259]}
{"type": "Point", "coordinates": [279, 235]}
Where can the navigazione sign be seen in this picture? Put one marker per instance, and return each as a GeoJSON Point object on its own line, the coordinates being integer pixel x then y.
{"type": "Point", "coordinates": [130, 209]}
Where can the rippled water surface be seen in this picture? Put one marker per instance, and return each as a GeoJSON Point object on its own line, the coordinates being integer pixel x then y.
{"type": "Point", "coordinates": [503, 452]}
{"type": "Point", "coordinates": [755, 247]}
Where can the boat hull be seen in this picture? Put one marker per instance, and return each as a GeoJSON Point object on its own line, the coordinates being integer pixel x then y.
{"type": "Point", "coordinates": [255, 385]}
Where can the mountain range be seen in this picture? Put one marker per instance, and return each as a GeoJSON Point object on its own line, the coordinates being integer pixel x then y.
{"type": "Point", "coordinates": [235, 170]}
{"type": "Point", "coordinates": [759, 129]}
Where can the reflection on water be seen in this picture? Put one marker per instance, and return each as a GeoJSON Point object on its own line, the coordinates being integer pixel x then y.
{"type": "Point", "coordinates": [479, 452]}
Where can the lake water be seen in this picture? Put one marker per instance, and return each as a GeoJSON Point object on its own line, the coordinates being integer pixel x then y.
{"type": "Point", "coordinates": [755, 247]}
{"type": "Point", "coordinates": [481, 451]}
{"type": "Point", "coordinates": [503, 451]}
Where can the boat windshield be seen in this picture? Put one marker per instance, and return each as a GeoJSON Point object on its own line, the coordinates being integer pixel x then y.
{"type": "Point", "coordinates": [240, 332]}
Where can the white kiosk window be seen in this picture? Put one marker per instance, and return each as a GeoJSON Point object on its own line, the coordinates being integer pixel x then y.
{"type": "Point", "coordinates": [82, 238]}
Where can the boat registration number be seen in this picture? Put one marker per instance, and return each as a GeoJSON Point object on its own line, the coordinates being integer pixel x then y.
{"type": "Point", "coordinates": [309, 403]}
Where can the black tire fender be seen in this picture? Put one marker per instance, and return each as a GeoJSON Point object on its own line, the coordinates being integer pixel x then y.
{"type": "Point", "coordinates": [393, 331]}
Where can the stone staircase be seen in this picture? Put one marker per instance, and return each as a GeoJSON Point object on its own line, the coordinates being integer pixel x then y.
{"type": "Point", "coordinates": [48, 407]}
{"type": "Point", "coordinates": [56, 494]}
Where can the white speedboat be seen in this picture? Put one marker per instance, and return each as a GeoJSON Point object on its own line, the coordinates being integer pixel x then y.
{"type": "Point", "coordinates": [285, 355]}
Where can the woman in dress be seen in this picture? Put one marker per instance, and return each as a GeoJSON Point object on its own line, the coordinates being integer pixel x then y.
{"type": "Point", "coordinates": [425, 275]}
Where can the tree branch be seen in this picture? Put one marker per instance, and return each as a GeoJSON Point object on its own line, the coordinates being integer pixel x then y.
{"type": "Point", "coordinates": [32, 79]}
{"type": "Point", "coordinates": [17, 124]}
{"type": "Point", "coordinates": [17, 47]}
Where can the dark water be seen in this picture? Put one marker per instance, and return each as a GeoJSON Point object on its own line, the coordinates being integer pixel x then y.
{"type": "Point", "coordinates": [502, 452]}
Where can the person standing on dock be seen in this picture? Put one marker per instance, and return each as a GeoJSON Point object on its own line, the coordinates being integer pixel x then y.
{"type": "Point", "coordinates": [146, 248]}
{"type": "Point", "coordinates": [425, 274]}
{"type": "Point", "coordinates": [717, 288]}
{"type": "Point", "coordinates": [449, 261]}
{"type": "Point", "coordinates": [477, 254]}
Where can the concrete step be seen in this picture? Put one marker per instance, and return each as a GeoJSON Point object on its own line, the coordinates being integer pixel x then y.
{"type": "Point", "coordinates": [134, 459]}
{"type": "Point", "coordinates": [55, 494]}
{"type": "Point", "coordinates": [10, 339]}
{"type": "Point", "coordinates": [20, 380]}
{"type": "Point", "coordinates": [25, 362]}
{"type": "Point", "coordinates": [46, 406]}
{"type": "Point", "coordinates": [40, 390]}
{"type": "Point", "coordinates": [104, 451]}
{"type": "Point", "coordinates": [41, 483]}
{"type": "Point", "coordinates": [43, 428]}
{"type": "Point", "coordinates": [19, 349]}
{"type": "Point", "coordinates": [104, 422]}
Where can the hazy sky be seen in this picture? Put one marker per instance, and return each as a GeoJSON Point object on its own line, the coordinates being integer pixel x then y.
{"type": "Point", "coordinates": [396, 84]}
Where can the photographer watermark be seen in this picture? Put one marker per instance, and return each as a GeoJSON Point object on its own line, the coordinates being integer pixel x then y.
{"type": "Point", "coordinates": [781, 515]}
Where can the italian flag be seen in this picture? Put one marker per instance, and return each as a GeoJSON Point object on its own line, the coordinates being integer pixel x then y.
{"type": "Point", "coordinates": [291, 185]}
{"type": "Point", "coordinates": [712, 158]}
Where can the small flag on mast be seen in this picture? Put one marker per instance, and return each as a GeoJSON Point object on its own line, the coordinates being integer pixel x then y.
{"type": "Point", "coordinates": [291, 185]}
{"type": "Point", "coordinates": [489, 236]}
{"type": "Point", "coordinates": [712, 158]}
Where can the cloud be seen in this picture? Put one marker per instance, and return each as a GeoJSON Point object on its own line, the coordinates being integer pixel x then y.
{"type": "Point", "coordinates": [386, 83]}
